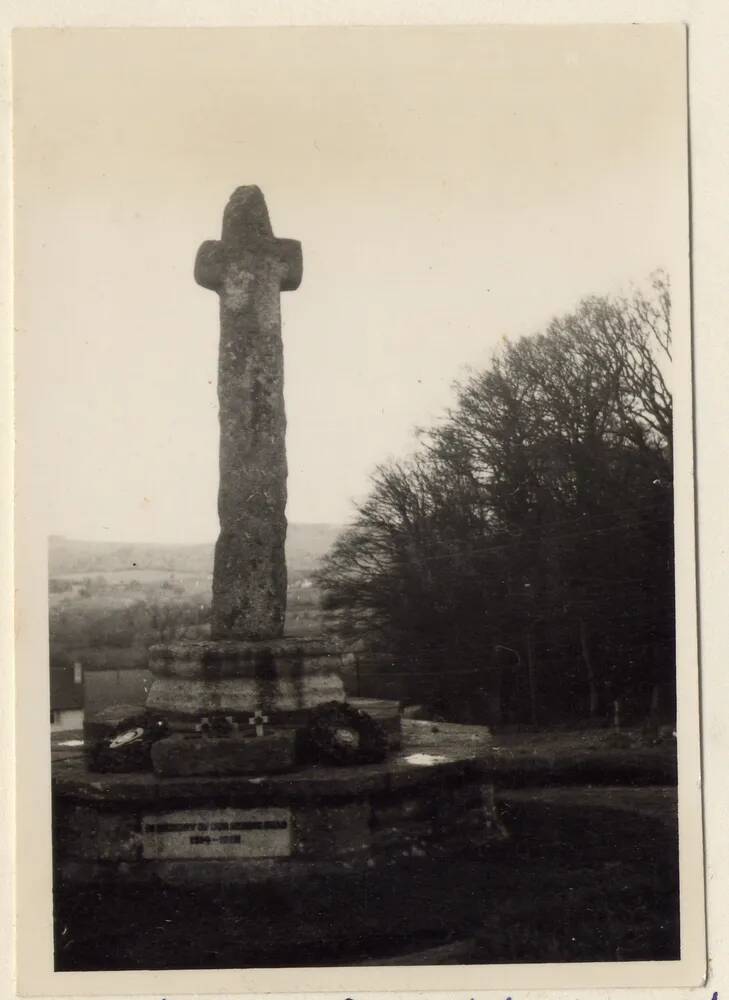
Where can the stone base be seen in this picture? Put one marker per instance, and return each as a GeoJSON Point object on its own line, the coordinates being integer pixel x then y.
{"type": "Point", "coordinates": [284, 677]}
{"type": "Point", "coordinates": [197, 749]}
{"type": "Point", "coordinates": [203, 755]}
{"type": "Point", "coordinates": [434, 796]}
{"type": "Point", "coordinates": [350, 859]}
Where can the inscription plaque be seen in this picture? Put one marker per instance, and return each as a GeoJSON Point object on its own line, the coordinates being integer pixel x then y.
{"type": "Point", "coordinates": [217, 833]}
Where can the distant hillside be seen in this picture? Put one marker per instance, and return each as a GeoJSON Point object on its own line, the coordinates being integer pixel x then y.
{"type": "Point", "coordinates": [306, 544]}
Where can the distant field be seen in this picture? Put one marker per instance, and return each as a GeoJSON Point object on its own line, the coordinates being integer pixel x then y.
{"type": "Point", "coordinates": [109, 602]}
{"type": "Point", "coordinates": [108, 620]}
{"type": "Point", "coordinates": [306, 545]}
{"type": "Point", "coordinates": [145, 576]}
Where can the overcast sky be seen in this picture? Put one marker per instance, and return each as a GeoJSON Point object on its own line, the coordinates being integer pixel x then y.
{"type": "Point", "coordinates": [449, 187]}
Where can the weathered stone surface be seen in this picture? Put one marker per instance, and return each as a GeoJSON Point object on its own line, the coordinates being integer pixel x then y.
{"type": "Point", "coordinates": [438, 737]}
{"type": "Point", "coordinates": [284, 678]}
{"type": "Point", "coordinates": [332, 831]}
{"type": "Point", "coordinates": [102, 835]}
{"type": "Point", "coordinates": [262, 660]}
{"type": "Point", "coordinates": [395, 809]}
{"type": "Point", "coordinates": [248, 268]}
{"type": "Point", "coordinates": [180, 755]}
{"type": "Point", "coordinates": [365, 829]}
{"type": "Point", "coordinates": [406, 837]}
{"type": "Point", "coordinates": [237, 695]}
{"type": "Point", "coordinates": [72, 781]}
{"type": "Point", "coordinates": [317, 782]}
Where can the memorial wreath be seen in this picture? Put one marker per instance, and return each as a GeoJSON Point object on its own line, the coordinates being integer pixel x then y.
{"type": "Point", "coordinates": [338, 733]}
{"type": "Point", "coordinates": [128, 748]}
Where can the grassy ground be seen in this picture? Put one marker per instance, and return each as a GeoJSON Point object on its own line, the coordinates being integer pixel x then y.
{"type": "Point", "coordinates": [582, 757]}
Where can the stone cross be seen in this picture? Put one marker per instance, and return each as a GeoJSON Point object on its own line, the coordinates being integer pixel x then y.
{"type": "Point", "coordinates": [257, 720]}
{"type": "Point", "coordinates": [248, 268]}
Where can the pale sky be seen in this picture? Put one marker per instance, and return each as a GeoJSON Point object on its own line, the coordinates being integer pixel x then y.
{"type": "Point", "coordinates": [449, 187]}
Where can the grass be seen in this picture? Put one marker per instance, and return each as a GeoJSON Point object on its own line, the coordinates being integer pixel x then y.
{"type": "Point", "coordinates": [582, 757]}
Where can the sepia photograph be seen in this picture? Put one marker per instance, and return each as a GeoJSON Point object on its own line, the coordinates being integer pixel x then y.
{"type": "Point", "coordinates": [354, 430]}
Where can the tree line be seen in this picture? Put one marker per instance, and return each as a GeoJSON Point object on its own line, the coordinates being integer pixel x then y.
{"type": "Point", "coordinates": [523, 555]}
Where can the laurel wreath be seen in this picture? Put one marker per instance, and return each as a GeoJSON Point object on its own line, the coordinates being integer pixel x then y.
{"type": "Point", "coordinates": [128, 747]}
{"type": "Point", "coordinates": [338, 733]}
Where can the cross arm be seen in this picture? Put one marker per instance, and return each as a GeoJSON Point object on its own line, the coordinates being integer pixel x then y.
{"type": "Point", "coordinates": [214, 256]}
{"type": "Point", "coordinates": [291, 258]}
{"type": "Point", "coordinates": [209, 265]}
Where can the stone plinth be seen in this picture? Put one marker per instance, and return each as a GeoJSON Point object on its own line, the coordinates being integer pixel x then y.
{"type": "Point", "coordinates": [434, 795]}
{"type": "Point", "coordinates": [349, 855]}
{"type": "Point", "coordinates": [282, 679]}
{"type": "Point", "coordinates": [193, 755]}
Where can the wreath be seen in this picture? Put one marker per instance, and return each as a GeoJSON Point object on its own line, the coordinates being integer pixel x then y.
{"type": "Point", "coordinates": [128, 747]}
{"type": "Point", "coordinates": [338, 733]}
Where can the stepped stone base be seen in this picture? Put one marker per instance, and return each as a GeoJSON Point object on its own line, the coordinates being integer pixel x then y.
{"type": "Point", "coordinates": [283, 678]}
{"type": "Point", "coordinates": [433, 797]}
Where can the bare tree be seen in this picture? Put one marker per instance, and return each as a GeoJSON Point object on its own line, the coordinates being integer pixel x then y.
{"type": "Point", "coordinates": [541, 506]}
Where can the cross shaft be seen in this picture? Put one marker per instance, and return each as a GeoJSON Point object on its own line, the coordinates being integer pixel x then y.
{"type": "Point", "coordinates": [249, 267]}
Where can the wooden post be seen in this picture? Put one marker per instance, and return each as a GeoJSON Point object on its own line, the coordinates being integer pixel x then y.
{"type": "Point", "coordinates": [616, 714]}
{"type": "Point", "coordinates": [590, 668]}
